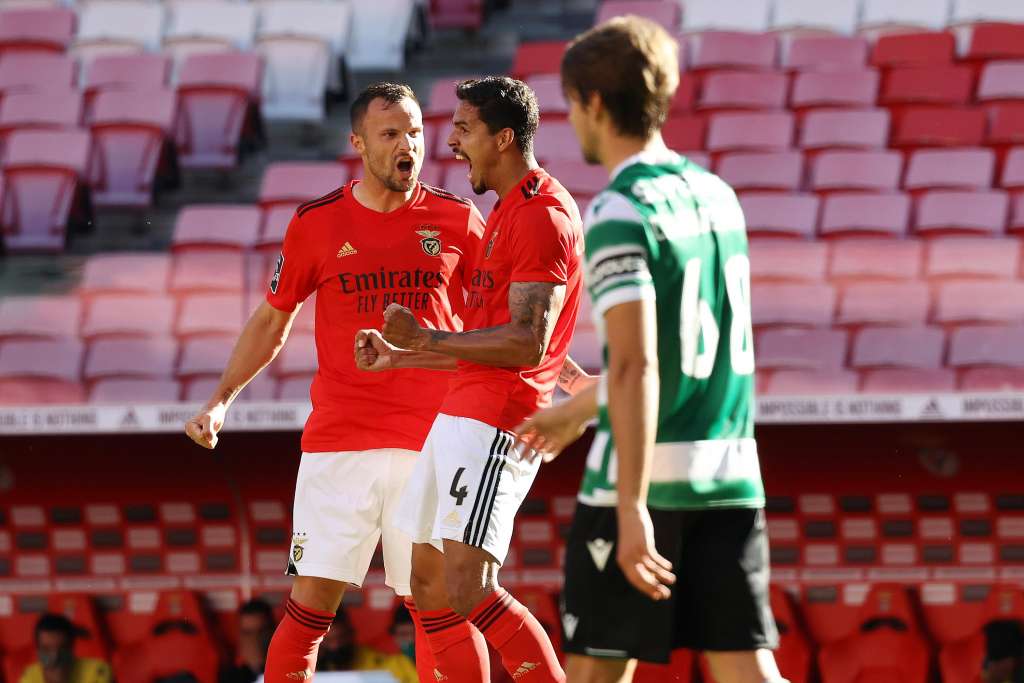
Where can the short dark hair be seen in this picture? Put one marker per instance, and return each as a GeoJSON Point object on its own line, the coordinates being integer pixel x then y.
{"type": "Point", "coordinates": [56, 623]}
{"type": "Point", "coordinates": [633, 65]}
{"type": "Point", "coordinates": [392, 93]}
{"type": "Point", "coordinates": [504, 102]}
{"type": "Point", "coordinates": [258, 606]}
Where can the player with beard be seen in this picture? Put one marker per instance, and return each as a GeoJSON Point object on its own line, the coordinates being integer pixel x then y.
{"type": "Point", "coordinates": [522, 300]}
{"type": "Point", "coordinates": [381, 240]}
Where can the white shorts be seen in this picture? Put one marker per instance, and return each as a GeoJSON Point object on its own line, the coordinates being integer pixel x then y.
{"type": "Point", "coordinates": [467, 486]}
{"type": "Point", "coordinates": [344, 503]}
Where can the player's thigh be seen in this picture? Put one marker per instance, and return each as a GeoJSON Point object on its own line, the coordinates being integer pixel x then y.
{"type": "Point", "coordinates": [481, 483]}
{"type": "Point", "coordinates": [582, 669]}
{"type": "Point", "coordinates": [336, 519]}
{"type": "Point", "coordinates": [318, 593]}
{"type": "Point", "coordinates": [723, 603]}
{"type": "Point", "coordinates": [751, 666]}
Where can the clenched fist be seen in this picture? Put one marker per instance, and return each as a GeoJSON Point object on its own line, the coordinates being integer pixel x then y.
{"type": "Point", "coordinates": [400, 327]}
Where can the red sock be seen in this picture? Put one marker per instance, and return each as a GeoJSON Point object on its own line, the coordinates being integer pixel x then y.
{"type": "Point", "coordinates": [292, 654]}
{"type": "Point", "coordinates": [425, 663]}
{"type": "Point", "coordinates": [460, 652]}
{"type": "Point", "coordinates": [525, 648]}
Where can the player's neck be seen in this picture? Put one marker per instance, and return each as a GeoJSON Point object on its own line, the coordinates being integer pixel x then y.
{"type": "Point", "coordinates": [616, 148]}
{"type": "Point", "coordinates": [511, 173]}
{"type": "Point", "coordinates": [376, 196]}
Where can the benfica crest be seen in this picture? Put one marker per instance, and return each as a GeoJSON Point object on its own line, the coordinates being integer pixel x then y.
{"type": "Point", "coordinates": [431, 245]}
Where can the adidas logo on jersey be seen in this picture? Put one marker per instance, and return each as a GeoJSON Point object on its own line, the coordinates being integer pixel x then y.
{"type": "Point", "coordinates": [438, 676]}
{"type": "Point", "coordinates": [600, 551]}
{"type": "Point", "coordinates": [300, 675]}
{"type": "Point", "coordinates": [524, 668]}
{"type": "Point", "coordinates": [452, 519]}
{"type": "Point", "coordinates": [347, 250]}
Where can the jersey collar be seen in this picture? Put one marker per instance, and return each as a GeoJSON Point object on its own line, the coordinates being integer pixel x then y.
{"type": "Point", "coordinates": [647, 156]}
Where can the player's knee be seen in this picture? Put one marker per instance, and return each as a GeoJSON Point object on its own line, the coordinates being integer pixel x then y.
{"type": "Point", "coordinates": [744, 667]}
{"type": "Point", "coordinates": [467, 586]}
{"type": "Point", "coordinates": [318, 593]}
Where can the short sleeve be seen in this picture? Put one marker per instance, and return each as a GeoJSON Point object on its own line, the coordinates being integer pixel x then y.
{"type": "Point", "coordinates": [617, 269]}
{"type": "Point", "coordinates": [297, 272]}
{"type": "Point", "coordinates": [543, 244]}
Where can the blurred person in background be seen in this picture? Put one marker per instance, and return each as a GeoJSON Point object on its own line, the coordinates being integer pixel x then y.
{"type": "Point", "coordinates": [256, 624]}
{"type": "Point", "coordinates": [339, 651]}
{"type": "Point", "coordinates": [56, 660]}
{"type": "Point", "coordinates": [1004, 652]}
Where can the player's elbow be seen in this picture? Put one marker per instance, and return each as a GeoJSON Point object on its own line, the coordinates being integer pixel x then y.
{"type": "Point", "coordinates": [629, 368]}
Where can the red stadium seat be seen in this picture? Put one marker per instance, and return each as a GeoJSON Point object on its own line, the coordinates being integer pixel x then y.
{"type": "Point", "coordinates": [909, 380]}
{"type": "Point", "coordinates": [465, 14]}
{"type": "Point", "coordinates": [217, 225]}
{"type": "Point", "coordinates": [129, 315]}
{"type": "Point", "coordinates": [942, 85]}
{"type": "Point", "coordinates": [131, 391]}
{"type": "Point", "coordinates": [992, 379]}
{"type": "Point", "coordinates": [48, 317]}
{"type": "Point", "coordinates": [541, 57]}
{"type": "Point", "coordinates": [771, 213]}
{"type": "Point", "coordinates": [126, 273]}
{"type": "Point", "coordinates": [1016, 224]}
{"type": "Point", "coordinates": [40, 391]}
{"type": "Point", "coordinates": [298, 357]}
{"type": "Point", "coordinates": [932, 127]}
{"type": "Point", "coordinates": [149, 358]}
{"type": "Point", "coordinates": [555, 141]}
{"type": "Point", "coordinates": [810, 383]}
{"type": "Point", "coordinates": [848, 213]}
{"type": "Point", "coordinates": [583, 180]}
{"type": "Point", "coordinates": [794, 653]}
{"type": "Point", "coordinates": [43, 109]}
{"type": "Point", "coordinates": [127, 72]}
{"type": "Point", "coordinates": [876, 303]}
{"type": "Point", "coordinates": [295, 182]}
{"type": "Point", "coordinates": [207, 271]}
{"type": "Point", "coordinates": [215, 94]}
{"type": "Point", "coordinates": [942, 168]}
{"type": "Point", "coordinates": [856, 170]}
{"type": "Point", "coordinates": [987, 345]}
{"type": "Point", "coordinates": [991, 41]}
{"type": "Point", "coordinates": [782, 171]}
{"type": "Point", "coordinates": [686, 93]}
{"type": "Point", "coordinates": [1013, 170]}
{"type": "Point", "coordinates": [442, 101]}
{"type": "Point", "coordinates": [973, 257]}
{"type": "Point", "coordinates": [792, 304]}
{"type": "Point", "coordinates": [1001, 81]}
{"type": "Point", "coordinates": [1006, 124]}
{"type": "Point", "coordinates": [837, 89]}
{"type": "Point", "coordinates": [683, 133]}
{"type": "Point", "coordinates": [867, 129]}
{"type": "Point", "coordinates": [41, 173]}
{"type": "Point", "coordinates": [209, 314]}
{"type": "Point", "coordinates": [274, 224]}
{"type": "Point", "coordinates": [36, 29]}
{"type": "Point", "coordinates": [130, 131]}
{"type": "Point", "coordinates": [548, 89]}
{"type": "Point", "coordinates": [830, 53]}
{"type": "Point", "coordinates": [36, 72]}
{"type": "Point", "coordinates": [58, 359]}
{"type": "Point", "coordinates": [788, 260]}
{"type": "Point", "coordinates": [205, 355]}
{"type": "Point", "coordinates": [913, 49]}
{"type": "Point", "coordinates": [294, 389]}
{"type": "Point", "coordinates": [814, 349]}
{"type": "Point", "coordinates": [881, 656]}
{"type": "Point", "coordinates": [904, 347]}
{"type": "Point", "coordinates": [755, 131]}
{"type": "Point", "coordinates": [731, 50]}
{"type": "Point", "coordinates": [664, 13]}
{"type": "Point", "coordinates": [725, 90]}
{"type": "Point", "coordinates": [980, 211]}
{"type": "Point", "coordinates": [858, 259]}
{"type": "Point", "coordinates": [980, 302]}
{"type": "Point", "coordinates": [200, 389]}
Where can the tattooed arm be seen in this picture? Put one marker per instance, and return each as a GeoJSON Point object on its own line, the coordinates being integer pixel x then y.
{"type": "Point", "coordinates": [522, 342]}
{"type": "Point", "coordinates": [573, 379]}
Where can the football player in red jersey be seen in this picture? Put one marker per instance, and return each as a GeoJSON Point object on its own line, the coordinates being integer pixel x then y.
{"type": "Point", "coordinates": [523, 294]}
{"type": "Point", "coordinates": [387, 239]}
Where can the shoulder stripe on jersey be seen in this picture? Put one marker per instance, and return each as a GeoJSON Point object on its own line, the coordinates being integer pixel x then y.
{"type": "Point", "coordinates": [531, 188]}
{"type": "Point", "coordinates": [322, 201]}
{"type": "Point", "coordinates": [445, 194]}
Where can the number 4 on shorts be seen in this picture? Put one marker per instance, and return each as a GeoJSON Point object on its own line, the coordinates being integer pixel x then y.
{"type": "Point", "coordinates": [459, 494]}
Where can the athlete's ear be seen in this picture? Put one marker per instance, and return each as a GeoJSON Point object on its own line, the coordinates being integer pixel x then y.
{"type": "Point", "coordinates": [357, 142]}
{"type": "Point", "coordinates": [506, 137]}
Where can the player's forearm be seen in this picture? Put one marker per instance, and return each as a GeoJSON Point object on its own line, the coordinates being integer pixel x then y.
{"type": "Point", "coordinates": [508, 345]}
{"type": "Point", "coordinates": [424, 360]}
{"type": "Point", "coordinates": [583, 405]}
{"type": "Point", "coordinates": [258, 344]}
{"type": "Point", "coordinates": [573, 379]}
{"type": "Point", "coordinates": [633, 411]}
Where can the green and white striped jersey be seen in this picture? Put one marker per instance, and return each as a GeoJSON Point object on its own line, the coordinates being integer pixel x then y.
{"type": "Point", "coordinates": [667, 230]}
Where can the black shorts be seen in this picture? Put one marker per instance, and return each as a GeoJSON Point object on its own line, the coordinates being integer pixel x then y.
{"type": "Point", "coordinates": [719, 601]}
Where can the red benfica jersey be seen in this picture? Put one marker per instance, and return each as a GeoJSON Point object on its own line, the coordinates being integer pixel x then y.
{"type": "Point", "coordinates": [358, 261]}
{"type": "Point", "coordinates": [533, 235]}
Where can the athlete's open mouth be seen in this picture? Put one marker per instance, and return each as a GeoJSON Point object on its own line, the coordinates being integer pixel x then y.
{"type": "Point", "coordinates": [405, 165]}
{"type": "Point", "coordinates": [461, 156]}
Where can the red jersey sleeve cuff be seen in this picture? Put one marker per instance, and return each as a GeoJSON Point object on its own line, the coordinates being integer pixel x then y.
{"type": "Point", "coordinates": [280, 305]}
{"type": "Point", "coordinates": [537, 276]}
